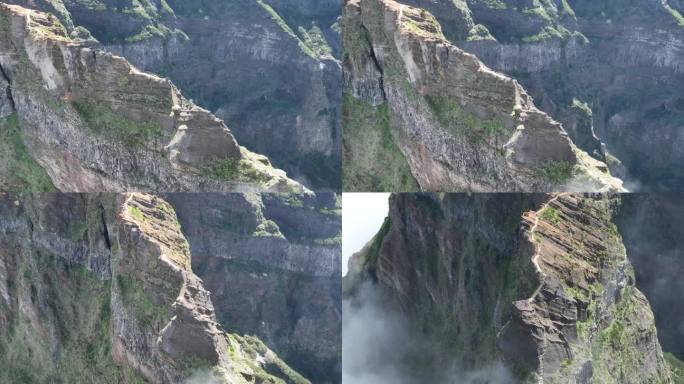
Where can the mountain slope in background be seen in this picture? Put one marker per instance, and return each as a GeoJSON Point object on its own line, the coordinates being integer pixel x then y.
{"type": "Point", "coordinates": [278, 258]}
{"type": "Point", "coordinates": [268, 67]}
{"type": "Point", "coordinates": [510, 288]}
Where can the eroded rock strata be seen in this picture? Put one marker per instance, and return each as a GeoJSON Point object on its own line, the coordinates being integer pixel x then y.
{"type": "Point", "coordinates": [268, 67]}
{"type": "Point", "coordinates": [422, 114]}
{"type": "Point", "coordinates": [99, 288]}
{"type": "Point", "coordinates": [93, 122]}
{"type": "Point", "coordinates": [540, 284]}
{"type": "Point", "coordinates": [609, 71]}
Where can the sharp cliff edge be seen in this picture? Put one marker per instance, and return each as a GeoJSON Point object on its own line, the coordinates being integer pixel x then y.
{"type": "Point", "coordinates": [269, 67]}
{"type": "Point", "coordinates": [539, 285]}
{"type": "Point", "coordinates": [421, 114]}
{"type": "Point", "coordinates": [77, 118]}
{"type": "Point", "coordinates": [99, 288]}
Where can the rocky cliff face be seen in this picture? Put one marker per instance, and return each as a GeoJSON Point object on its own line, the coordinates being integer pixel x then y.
{"type": "Point", "coordinates": [268, 67]}
{"type": "Point", "coordinates": [618, 65]}
{"type": "Point", "coordinates": [93, 122]}
{"type": "Point", "coordinates": [277, 257]}
{"type": "Point", "coordinates": [653, 237]}
{"type": "Point", "coordinates": [99, 288]}
{"type": "Point", "coordinates": [541, 284]}
{"type": "Point", "coordinates": [438, 119]}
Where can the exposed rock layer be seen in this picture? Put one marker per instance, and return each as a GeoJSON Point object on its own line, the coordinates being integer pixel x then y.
{"type": "Point", "coordinates": [541, 283]}
{"type": "Point", "coordinates": [456, 124]}
{"type": "Point", "coordinates": [621, 61]}
{"type": "Point", "coordinates": [96, 123]}
{"type": "Point", "coordinates": [99, 288]}
{"type": "Point", "coordinates": [267, 67]}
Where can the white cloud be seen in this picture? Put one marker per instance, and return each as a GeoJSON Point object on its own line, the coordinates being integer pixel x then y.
{"type": "Point", "coordinates": [362, 216]}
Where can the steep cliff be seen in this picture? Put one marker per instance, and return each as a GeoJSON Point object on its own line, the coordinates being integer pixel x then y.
{"type": "Point", "coordinates": [99, 288]}
{"type": "Point", "coordinates": [422, 108]}
{"type": "Point", "coordinates": [539, 284]}
{"type": "Point", "coordinates": [268, 67]}
{"type": "Point", "coordinates": [654, 238]}
{"type": "Point", "coordinates": [620, 62]}
{"type": "Point", "coordinates": [93, 122]}
{"type": "Point", "coordinates": [278, 258]}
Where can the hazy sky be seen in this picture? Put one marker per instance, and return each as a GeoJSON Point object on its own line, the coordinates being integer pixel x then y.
{"type": "Point", "coordinates": [362, 216]}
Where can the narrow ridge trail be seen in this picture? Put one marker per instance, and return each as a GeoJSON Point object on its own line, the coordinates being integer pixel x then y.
{"type": "Point", "coordinates": [537, 245]}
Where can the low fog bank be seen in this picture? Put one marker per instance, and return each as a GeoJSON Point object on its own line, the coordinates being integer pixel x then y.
{"type": "Point", "coordinates": [380, 347]}
{"type": "Point", "coordinates": [652, 228]}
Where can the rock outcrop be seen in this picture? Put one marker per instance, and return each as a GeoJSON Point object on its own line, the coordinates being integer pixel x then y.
{"type": "Point", "coordinates": [99, 288]}
{"type": "Point", "coordinates": [621, 60]}
{"type": "Point", "coordinates": [93, 122]}
{"type": "Point", "coordinates": [420, 113]}
{"type": "Point", "coordinates": [268, 67]}
{"type": "Point", "coordinates": [276, 257]}
{"type": "Point", "coordinates": [540, 283]}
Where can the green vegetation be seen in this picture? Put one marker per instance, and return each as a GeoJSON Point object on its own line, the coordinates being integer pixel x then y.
{"type": "Point", "coordinates": [567, 9]}
{"type": "Point", "coordinates": [479, 32]}
{"type": "Point", "coordinates": [614, 231]}
{"type": "Point", "coordinates": [285, 27]}
{"type": "Point", "coordinates": [615, 351]}
{"type": "Point", "coordinates": [615, 334]}
{"type": "Point", "coordinates": [548, 32]}
{"type": "Point", "coordinates": [494, 4]}
{"type": "Point", "coordinates": [582, 106]}
{"type": "Point", "coordinates": [452, 116]}
{"type": "Point", "coordinates": [71, 305]}
{"type": "Point", "coordinates": [371, 260]}
{"type": "Point", "coordinates": [133, 296]}
{"type": "Point", "coordinates": [268, 228]}
{"type": "Point", "coordinates": [77, 230]}
{"type": "Point", "coordinates": [254, 349]}
{"type": "Point", "coordinates": [94, 5]}
{"type": "Point", "coordinates": [337, 240]}
{"type": "Point", "coordinates": [137, 213]}
{"type": "Point", "coordinates": [557, 171]}
{"type": "Point", "coordinates": [372, 160]}
{"type": "Point", "coordinates": [195, 364]}
{"type": "Point", "coordinates": [368, 265]}
{"type": "Point", "coordinates": [222, 169]}
{"type": "Point", "coordinates": [675, 13]}
{"type": "Point", "coordinates": [677, 367]}
{"type": "Point", "coordinates": [149, 14]}
{"type": "Point", "coordinates": [233, 169]}
{"type": "Point", "coordinates": [102, 120]}
{"type": "Point", "coordinates": [426, 25]}
{"type": "Point", "coordinates": [20, 171]}
{"type": "Point", "coordinates": [551, 215]}
{"type": "Point", "coordinates": [314, 39]}
{"type": "Point", "coordinates": [538, 10]}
